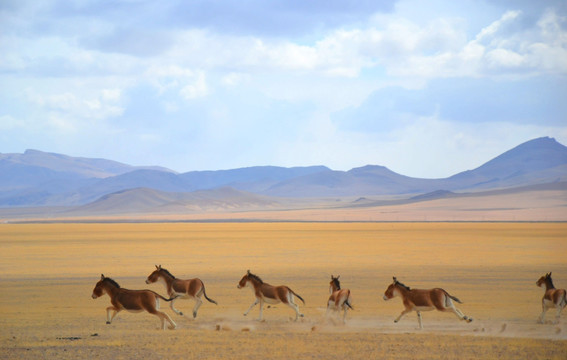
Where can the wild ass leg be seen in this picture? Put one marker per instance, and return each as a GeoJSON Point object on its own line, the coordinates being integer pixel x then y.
{"type": "Point", "coordinates": [261, 309]}
{"type": "Point", "coordinates": [110, 317]}
{"type": "Point", "coordinates": [558, 314]}
{"type": "Point", "coordinates": [251, 306]}
{"type": "Point", "coordinates": [402, 314]}
{"type": "Point", "coordinates": [331, 308]}
{"type": "Point", "coordinates": [173, 307]}
{"type": "Point", "coordinates": [419, 319]}
{"type": "Point", "coordinates": [163, 317]}
{"type": "Point", "coordinates": [543, 310]}
{"type": "Point", "coordinates": [294, 306]}
{"type": "Point", "coordinates": [198, 304]}
{"type": "Point", "coordinates": [459, 313]}
{"type": "Point", "coordinates": [172, 324]}
{"type": "Point", "coordinates": [344, 314]}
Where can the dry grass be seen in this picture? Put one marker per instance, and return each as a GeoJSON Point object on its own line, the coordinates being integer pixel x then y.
{"type": "Point", "coordinates": [48, 272]}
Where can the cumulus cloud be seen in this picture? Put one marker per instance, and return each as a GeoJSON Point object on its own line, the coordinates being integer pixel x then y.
{"type": "Point", "coordinates": [304, 80]}
{"type": "Point", "coordinates": [73, 108]}
{"type": "Point", "coordinates": [538, 50]}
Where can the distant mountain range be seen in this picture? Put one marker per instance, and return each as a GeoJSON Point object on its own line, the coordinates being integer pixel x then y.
{"type": "Point", "coordinates": [36, 178]}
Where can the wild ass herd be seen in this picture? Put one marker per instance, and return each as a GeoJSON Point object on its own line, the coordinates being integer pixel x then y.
{"type": "Point", "coordinates": [417, 300]}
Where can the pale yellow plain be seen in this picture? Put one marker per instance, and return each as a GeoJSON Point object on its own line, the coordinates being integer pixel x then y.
{"type": "Point", "coordinates": [48, 272]}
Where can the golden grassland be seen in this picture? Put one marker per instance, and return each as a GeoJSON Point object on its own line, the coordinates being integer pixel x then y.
{"type": "Point", "coordinates": [48, 272]}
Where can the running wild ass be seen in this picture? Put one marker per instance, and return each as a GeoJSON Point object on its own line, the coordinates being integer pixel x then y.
{"type": "Point", "coordinates": [552, 298]}
{"type": "Point", "coordinates": [130, 300]}
{"type": "Point", "coordinates": [265, 292]}
{"type": "Point", "coordinates": [340, 299]}
{"type": "Point", "coordinates": [177, 288]}
{"type": "Point", "coordinates": [423, 300]}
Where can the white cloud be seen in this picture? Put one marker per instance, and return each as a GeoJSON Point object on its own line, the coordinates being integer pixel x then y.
{"type": "Point", "coordinates": [74, 107]}
{"type": "Point", "coordinates": [196, 88]}
{"type": "Point", "coordinates": [278, 85]}
{"type": "Point", "coordinates": [499, 58]}
{"type": "Point", "coordinates": [8, 122]}
{"type": "Point", "coordinates": [493, 28]}
{"type": "Point", "coordinates": [234, 79]}
{"type": "Point", "coordinates": [112, 95]}
{"type": "Point", "coordinates": [190, 84]}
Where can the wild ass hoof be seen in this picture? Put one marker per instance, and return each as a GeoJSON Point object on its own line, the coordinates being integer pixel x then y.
{"type": "Point", "coordinates": [108, 323]}
{"type": "Point", "coordinates": [180, 313]}
{"type": "Point", "coordinates": [194, 314]}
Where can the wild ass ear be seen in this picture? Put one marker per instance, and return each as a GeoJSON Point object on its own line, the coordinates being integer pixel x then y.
{"type": "Point", "coordinates": [395, 280]}
{"type": "Point", "coordinates": [248, 272]}
{"type": "Point", "coordinates": [157, 267]}
{"type": "Point", "coordinates": [102, 276]}
{"type": "Point", "coordinates": [338, 276]}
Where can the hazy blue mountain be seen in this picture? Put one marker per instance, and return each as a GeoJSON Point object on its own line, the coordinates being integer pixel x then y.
{"type": "Point", "coordinates": [366, 180]}
{"type": "Point", "coordinates": [44, 179]}
{"type": "Point", "coordinates": [79, 166]}
{"type": "Point", "coordinates": [37, 178]}
{"type": "Point", "coordinates": [14, 175]}
{"type": "Point", "coordinates": [537, 161]}
{"type": "Point", "coordinates": [253, 179]}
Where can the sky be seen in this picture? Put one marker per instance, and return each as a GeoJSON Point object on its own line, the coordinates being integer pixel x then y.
{"type": "Point", "coordinates": [425, 88]}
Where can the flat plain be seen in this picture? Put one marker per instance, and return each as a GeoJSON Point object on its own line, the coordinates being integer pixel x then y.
{"type": "Point", "coordinates": [48, 272]}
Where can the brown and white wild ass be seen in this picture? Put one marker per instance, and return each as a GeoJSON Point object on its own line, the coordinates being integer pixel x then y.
{"type": "Point", "coordinates": [130, 300]}
{"type": "Point", "coordinates": [423, 300]}
{"type": "Point", "coordinates": [340, 299]}
{"type": "Point", "coordinates": [177, 288]}
{"type": "Point", "coordinates": [552, 298]}
{"type": "Point", "coordinates": [265, 292]}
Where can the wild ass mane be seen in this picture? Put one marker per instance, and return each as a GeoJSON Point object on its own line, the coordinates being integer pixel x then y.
{"type": "Point", "coordinates": [255, 277]}
{"type": "Point", "coordinates": [112, 282]}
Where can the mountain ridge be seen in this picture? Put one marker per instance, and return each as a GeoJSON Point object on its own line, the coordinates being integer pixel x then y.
{"type": "Point", "coordinates": [61, 180]}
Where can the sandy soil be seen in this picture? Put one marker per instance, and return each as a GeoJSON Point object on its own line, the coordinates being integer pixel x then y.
{"type": "Point", "coordinates": [49, 271]}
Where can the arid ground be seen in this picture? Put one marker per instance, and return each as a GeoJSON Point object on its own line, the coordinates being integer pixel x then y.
{"type": "Point", "coordinates": [48, 272]}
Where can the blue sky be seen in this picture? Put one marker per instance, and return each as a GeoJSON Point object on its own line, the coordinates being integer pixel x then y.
{"type": "Point", "coordinates": [427, 89]}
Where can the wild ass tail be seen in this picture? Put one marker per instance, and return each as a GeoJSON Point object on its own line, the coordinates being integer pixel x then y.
{"type": "Point", "coordinates": [206, 297]}
{"type": "Point", "coordinates": [453, 297]}
{"type": "Point", "coordinates": [299, 297]}
{"type": "Point", "coordinates": [164, 298]}
{"type": "Point", "coordinates": [346, 301]}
